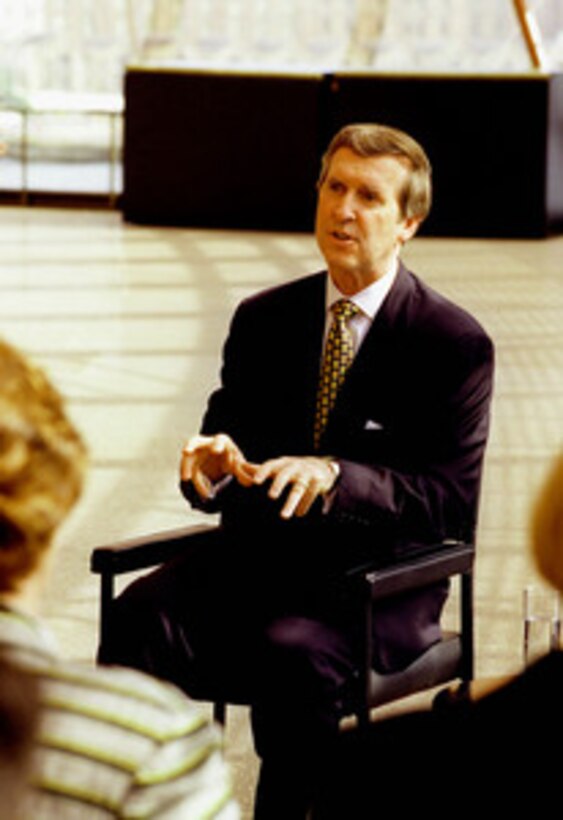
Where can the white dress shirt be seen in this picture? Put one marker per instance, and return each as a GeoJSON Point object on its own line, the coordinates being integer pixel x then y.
{"type": "Point", "coordinates": [369, 301]}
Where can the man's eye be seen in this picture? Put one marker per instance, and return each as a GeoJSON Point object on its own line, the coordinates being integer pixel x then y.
{"type": "Point", "coordinates": [335, 186]}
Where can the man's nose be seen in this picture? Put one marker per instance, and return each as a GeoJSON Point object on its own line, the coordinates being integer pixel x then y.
{"type": "Point", "coordinates": [344, 207]}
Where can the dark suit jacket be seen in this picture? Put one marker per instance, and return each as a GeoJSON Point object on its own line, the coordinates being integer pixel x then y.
{"type": "Point", "coordinates": [408, 429]}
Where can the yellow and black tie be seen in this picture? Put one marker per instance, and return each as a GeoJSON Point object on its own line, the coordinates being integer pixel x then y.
{"type": "Point", "coordinates": [338, 356]}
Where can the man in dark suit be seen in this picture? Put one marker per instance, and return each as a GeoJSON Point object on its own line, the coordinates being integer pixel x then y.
{"type": "Point", "coordinates": [350, 422]}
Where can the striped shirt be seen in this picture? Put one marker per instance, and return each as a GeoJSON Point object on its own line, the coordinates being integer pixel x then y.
{"type": "Point", "coordinates": [114, 742]}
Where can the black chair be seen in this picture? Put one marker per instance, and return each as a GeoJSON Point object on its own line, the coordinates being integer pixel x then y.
{"type": "Point", "coordinates": [446, 661]}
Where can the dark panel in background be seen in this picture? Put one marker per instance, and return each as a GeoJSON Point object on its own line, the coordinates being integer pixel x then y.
{"type": "Point", "coordinates": [555, 153]}
{"type": "Point", "coordinates": [486, 139]}
{"type": "Point", "coordinates": [221, 150]}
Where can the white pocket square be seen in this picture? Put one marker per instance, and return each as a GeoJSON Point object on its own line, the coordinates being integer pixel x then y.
{"type": "Point", "coordinates": [372, 425]}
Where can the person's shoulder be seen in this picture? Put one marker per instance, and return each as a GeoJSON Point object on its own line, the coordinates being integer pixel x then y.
{"type": "Point", "coordinates": [132, 743]}
{"type": "Point", "coordinates": [538, 685]}
{"type": "Point", "coordinates": [127, 695]}
{"type": "Point", "coordinates": [270, 312]}
{"type": "Point", "coordinates": [292, 291]}
{"type": "Point", "coordinates": [438, 313]}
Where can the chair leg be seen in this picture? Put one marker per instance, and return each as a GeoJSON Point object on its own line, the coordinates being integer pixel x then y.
{"type": "Point", "coordinates": [106, 598]}
{"type": "Point", "coordinates": [220, 712]}
{"type": "Point", "coordinates": [364, 709]}
{"type": "Point", "coordinates": [363, 717]}
{"type": "Point", "coordinates": [467, 625]}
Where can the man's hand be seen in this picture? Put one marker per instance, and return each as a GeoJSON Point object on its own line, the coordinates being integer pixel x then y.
{"type": "Point", "coordinates": [207, 459]}
{"type": "Point", "coordinates": [307, 477]}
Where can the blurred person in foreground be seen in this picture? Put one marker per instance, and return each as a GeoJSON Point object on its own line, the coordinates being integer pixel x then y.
{"type": "Point", "coordinates": [109, 743]}
{"type": "Point", "coordinates": [499, 747]}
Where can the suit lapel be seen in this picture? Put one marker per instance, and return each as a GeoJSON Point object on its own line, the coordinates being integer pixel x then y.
{"type": "Point", "coordinates": [391, 313]}
{"type": "Point", "coordinates": [302, 348]}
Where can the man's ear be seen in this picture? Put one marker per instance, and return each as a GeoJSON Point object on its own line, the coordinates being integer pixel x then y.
{"type": "Point", "coordinates": [410, 227]}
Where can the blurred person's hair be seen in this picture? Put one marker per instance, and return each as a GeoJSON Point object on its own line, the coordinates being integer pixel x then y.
{"type": "Point", "coordinates": [42, 461]}
{"type": "Point", "coordinates": [547, 525]}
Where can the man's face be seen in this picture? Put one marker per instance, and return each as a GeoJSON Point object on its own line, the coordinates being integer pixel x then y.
{"type": "Point", "coordinates": [359, 225]}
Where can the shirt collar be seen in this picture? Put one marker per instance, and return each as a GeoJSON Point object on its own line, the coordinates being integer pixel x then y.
{"type": "Point", "coordinates": [370, 299]}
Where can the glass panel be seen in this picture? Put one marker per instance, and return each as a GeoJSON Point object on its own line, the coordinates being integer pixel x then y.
{"type": "Point", "coordinates": [72, 152]}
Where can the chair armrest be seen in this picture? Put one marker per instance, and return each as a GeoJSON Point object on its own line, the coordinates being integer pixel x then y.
{"type": "Point", "coordinates": [427, 566]}
{"type": "Point", "coordinates": [422, 566]}
{"type": "Point", "coordinates": [148, 550]}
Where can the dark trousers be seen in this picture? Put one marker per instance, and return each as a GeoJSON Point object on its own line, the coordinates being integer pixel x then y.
{"type": "Point", "coordinates": [254, 621]}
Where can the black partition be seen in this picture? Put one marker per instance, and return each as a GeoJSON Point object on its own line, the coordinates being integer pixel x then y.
{"type": "Point", "coordinates": [242, 149]}
{"type": "Point", "coordinates": [495, 143]}
{"type": "Point", "coordinates": [229, 150]}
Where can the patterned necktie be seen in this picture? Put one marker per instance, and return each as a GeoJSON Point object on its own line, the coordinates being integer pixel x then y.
{"type": "Point", "coordinates": [338, 355]}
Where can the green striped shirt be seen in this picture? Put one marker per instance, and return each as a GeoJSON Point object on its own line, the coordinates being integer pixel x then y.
{"type": "Point", "coordinates": [114, 742]}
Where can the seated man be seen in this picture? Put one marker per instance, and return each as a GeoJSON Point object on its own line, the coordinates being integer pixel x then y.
{"type": "Point", "coordinates": [350, 422]}
{"type": "Point", "coordinates": [112, 742]}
